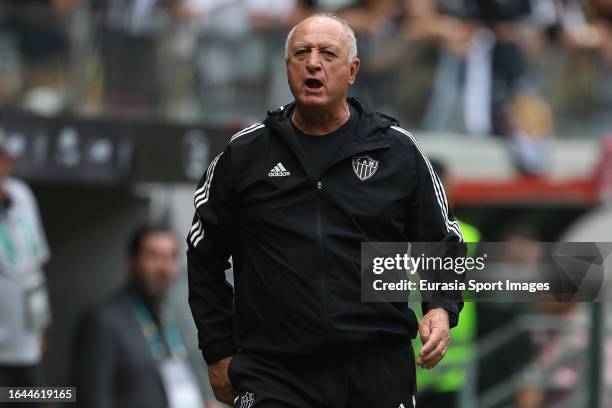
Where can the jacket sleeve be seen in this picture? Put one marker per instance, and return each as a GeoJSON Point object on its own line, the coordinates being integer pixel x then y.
{"type": "Point", "coordinates": [431, 220]}
{"type": "Point", "coordinates": [209, 248]}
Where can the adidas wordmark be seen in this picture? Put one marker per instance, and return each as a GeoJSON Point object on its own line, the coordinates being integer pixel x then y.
{"type": "Point", "coordinates": [279, 171]}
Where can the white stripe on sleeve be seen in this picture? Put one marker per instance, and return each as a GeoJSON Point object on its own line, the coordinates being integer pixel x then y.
{"type": "Point", "coordinates": [438, 188]}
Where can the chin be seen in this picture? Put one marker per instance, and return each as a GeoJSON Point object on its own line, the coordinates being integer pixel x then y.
{"type": "Point", "coordinates": [313, 101]}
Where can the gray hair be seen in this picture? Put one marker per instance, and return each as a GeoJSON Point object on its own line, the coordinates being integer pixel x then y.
{"type": "Point", "coordinates": [347, 28]}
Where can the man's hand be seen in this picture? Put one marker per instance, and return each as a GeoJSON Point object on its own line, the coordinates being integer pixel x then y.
{"type": "Point", "coordinates": [435, 335]}
{"type": "Point", "coordinates": [220, 383]}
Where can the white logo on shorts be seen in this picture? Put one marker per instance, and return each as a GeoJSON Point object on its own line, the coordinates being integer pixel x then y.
{"type": "Point", "coordinates": [413, 403]}
{"type": "Point", "coordinates": [247, 400]}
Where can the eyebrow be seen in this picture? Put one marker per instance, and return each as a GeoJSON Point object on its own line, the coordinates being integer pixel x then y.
{"type": "Point", "coordinates": [322, 46]}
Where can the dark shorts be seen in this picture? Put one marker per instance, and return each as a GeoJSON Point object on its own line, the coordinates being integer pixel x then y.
{"type": "Point", "coordinates": [379, 376]}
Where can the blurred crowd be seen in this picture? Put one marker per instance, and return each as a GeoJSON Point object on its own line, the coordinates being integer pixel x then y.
{"type": "Point", "coordinates": [526, 69]}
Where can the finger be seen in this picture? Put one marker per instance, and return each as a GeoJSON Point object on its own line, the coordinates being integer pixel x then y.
{"type": "Point", "coordinates": [438, 353]}
{"type": "Point", "coordinates": [424, 333]}
{"type": "Point", "coordinates": [442, 344]}
{"type": "Point", "coordinates": [433, 362]}
{"type": "Point", "coordinates": [424, 330]}
{"type": "Point", "coordinates": [432, 359]}
{"type": "Point", "coordinates": [435, 355]}
{"type": "Point", "coordinates": [435, 337]}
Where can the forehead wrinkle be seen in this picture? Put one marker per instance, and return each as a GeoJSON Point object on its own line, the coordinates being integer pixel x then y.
{"type": "Point", "coordinates": [334, 33]}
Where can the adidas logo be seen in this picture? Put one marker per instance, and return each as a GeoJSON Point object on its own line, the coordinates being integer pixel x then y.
{"type": "Point", "coordinates": [279, 171]}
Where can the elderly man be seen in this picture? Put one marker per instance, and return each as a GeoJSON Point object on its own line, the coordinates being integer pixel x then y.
{"type": "Point", "coordinates": [291, 200]}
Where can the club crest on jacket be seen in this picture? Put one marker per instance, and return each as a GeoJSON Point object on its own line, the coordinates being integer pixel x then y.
{"type": "Point", "coordinates": [364, 166]}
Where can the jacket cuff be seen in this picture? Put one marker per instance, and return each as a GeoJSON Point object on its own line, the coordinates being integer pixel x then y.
{"type": "Point", "coordinates": [452, 307]}
{"type": "Point", "coordinates": [218, 351]}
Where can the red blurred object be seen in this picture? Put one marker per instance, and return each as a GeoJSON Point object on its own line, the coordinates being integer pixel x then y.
{"type": "Point", "coordinates": [602, 174]}
{"type": "Point", "coordinates": [536, 190]}
{"type": "Point", "coordinates": [523, 189]}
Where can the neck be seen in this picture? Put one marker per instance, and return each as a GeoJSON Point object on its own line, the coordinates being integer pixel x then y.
{"type": "Point", "coordinates": [318, 121]}
{"type": "Point", "coordinates": [153, 303]}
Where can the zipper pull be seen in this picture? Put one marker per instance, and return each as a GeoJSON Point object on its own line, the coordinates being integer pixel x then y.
{"type": "Point", "coordinates": [319, 185]}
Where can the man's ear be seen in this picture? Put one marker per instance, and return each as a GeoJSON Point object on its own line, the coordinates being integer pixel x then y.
{"type": "Point", "coordinates": [354, 69]}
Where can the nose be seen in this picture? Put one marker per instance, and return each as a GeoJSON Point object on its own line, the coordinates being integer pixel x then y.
{"type": "Point", "coordinates": [313, 63]}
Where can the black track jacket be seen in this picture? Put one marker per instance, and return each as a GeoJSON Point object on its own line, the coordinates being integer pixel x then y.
{"type": "Point", "coordinates": [295, 240]}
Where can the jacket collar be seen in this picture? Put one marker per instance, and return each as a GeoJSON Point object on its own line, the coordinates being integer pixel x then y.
{"type": "Point", "coordinates": [369, 124]}
{"type": "Point", "coordinates": [368, 128]}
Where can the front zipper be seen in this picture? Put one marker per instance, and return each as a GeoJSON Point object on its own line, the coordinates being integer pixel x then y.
{"type": "Point", "coordinates": [322, 257]}
{"type": "Point", "coordinates": [322, 262]}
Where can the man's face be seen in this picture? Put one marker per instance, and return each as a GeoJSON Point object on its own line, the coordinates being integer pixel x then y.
{"type": "Point", "coordinates": [155, 267]}
{"type": "Point", "coordinates": [318, 66]}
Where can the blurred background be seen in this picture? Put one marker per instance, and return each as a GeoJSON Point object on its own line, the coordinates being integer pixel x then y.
{"type": "Point", "coordinates": [112, 109]}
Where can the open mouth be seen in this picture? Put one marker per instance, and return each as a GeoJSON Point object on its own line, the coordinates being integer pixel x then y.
{"type": "Point", "coordinates": [313, 83]}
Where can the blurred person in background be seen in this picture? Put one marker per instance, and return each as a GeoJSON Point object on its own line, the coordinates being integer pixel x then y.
{"type": "Point", "coordinates": [128, 36]}
{"type": "Point", "coordinates": [564, 49]}
{"type": "Point", "coordinates": [377, 26]}
{"type": "Point", "coordinates": [236, 69]}
{"type": "Point", "coordinates": [554, 385]}
{"type": "Point", "coordinates": [440, 32]}
{"type": "Point", "coordinates": [38, 30]}
{"type": "Point", "coordinates": [529, 128]}
{"type": "Point", "coordinates": [24, 305]}
{"type": "Point", "coordinates": [496, 67]}
{"type": "Point", "coordinates": [601, 11]}
{"type": "Point", "coordinates": [480, 63]}
{"type": "Point", "coordinates": [211, 39]}
{"type": "Point", "coordinates": [566, 21]}
{"type": "Point", "coordinates": [560, 368]}
{"type": "Point", "coordinates": [128, 351]}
